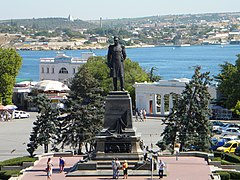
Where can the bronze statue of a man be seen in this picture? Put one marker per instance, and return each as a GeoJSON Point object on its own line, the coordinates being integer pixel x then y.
{"type": "Point", "coordinates": [116, 56]}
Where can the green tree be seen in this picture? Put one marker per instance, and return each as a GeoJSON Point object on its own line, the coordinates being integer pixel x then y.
{"type": "Point", "coordinates": [229, 83]}
{"type": "Point", "coordinates": [236, 109]}
{"type": "Point", "coordinates": [152, 76]}
{"type": "Point", "coordinates": [189, 123]}
{"type": "Point", "coordinates": [10, 63]}
{"type": "Point", "coordinates": [44, 127]}
{"type": "Point", "coordinates": [132, 70]}
{"type": "Point", "coordinates": [84, 108]}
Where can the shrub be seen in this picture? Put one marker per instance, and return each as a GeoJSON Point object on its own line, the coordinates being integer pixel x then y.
{"type": "Point", "coordinates": [216, 159]}
{"type": "Point", "coordinates": [8, 174]}
{"type": "Point", "coordinates": [234, 175]}
{"type": "Point", "coordinates": [223, 162]}
{"type": "Point", "coordinates": [218, 154]}
{"type": "Point", "coordinates": [224, 175]}
{"type": "Point", "coordinates": [17, 161]}
{"type": "Point", "coordinates": [232, 158]}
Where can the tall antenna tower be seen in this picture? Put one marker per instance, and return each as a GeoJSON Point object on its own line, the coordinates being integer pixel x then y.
{"type": "Point", "coordinates": [100, 22]}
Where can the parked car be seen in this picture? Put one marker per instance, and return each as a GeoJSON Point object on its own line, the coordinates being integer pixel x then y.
{"type": "Point", "coordinates": [230, 137]}
{"type": "Point", "coordinates": [216, 125]}
{"type": "Point", "coordinates": [237, 151]}
{"type": "Point", "coordinates": [217, 143]}
{"type": "Point", "coordinates": [226, 126]}
{"type": "Point", "coordinates": [21, 114]}
{"type": "Point", "coordinates": [229, 147]}
{"type": "Point", "coordinates": [231, 131]}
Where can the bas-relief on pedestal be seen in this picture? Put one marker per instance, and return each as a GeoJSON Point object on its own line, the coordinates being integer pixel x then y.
{"type": "Point", "coordinates": [118, 138]}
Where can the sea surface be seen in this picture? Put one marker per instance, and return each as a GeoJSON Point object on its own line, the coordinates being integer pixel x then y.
{"type": "Point", "coordinates": [170, 62]}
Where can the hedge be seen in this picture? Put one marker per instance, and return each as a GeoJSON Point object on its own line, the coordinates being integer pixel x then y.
{"type": "Point", "coordinates": [227, 157]}
{"type": "Point", "coordinates": [231, 158]}
{"type": "Point", "coordinates": [225, 175]}
{"type": "Point", "coordinates": [4, 175]}
{"type": "Point", "coordinates": [217, 154]}
{"type": "Point", "coordinates": [17, 161]}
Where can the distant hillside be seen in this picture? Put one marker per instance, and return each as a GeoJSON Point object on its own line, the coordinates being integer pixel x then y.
{"type": "Point", "coordinates": [49, 23]}
{"type": "Point", "coordinates": [181, 19]}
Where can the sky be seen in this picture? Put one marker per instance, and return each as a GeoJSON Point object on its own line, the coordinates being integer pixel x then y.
{"type": "Point", "coordinates": [111, 9]}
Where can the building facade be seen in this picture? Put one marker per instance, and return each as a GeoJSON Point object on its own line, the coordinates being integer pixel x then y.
{"type": "Point", "coordinates": [62, 67]}
{"type": "Point", "coordinates": [157, 98]}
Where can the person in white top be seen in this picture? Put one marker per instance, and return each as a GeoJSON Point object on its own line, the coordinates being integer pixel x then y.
{"type": "Point", "coordinates": [118, 164]}
{"type": "Point", "coordinates": [161, 168]}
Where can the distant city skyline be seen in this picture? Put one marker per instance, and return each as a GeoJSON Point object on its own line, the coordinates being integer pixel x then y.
{"type": "Point", "coordinates": [109, 9]}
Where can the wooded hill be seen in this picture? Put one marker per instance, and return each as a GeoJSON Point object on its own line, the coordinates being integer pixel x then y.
{"type": "Point", "coordinates": [49, 23]}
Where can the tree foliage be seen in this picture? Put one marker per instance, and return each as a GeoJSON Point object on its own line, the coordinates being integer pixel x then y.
{"type": "Point", "coordinates": [10, 63]}
{"type": "Point", "coordinates": [44, 127]}
{"type": "Point", "coordinates": [152, 76]}
{"type": "Point", "coordinates": [132, 70]}
{"type": "Point", "coordinates": [189, 123]}
{"type": "Point", "coordinates": [229, 83]}
{"type": "Point", "coordinates": [236, 109]}
{"type": "Point", "coordinates": [84, 109]}
{"type": "Point", "coordinates": [82, 117]}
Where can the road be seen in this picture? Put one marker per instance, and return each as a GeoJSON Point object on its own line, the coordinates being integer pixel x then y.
{"type": "Point", "coordinates": [14, 135]}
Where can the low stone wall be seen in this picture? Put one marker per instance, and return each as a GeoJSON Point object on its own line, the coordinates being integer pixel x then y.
{"type": "Point", "coordinates": [200, 154]}
{"type": "Point", "coordinates": [63, 154]}
{"type": "Point", "coordinates": [24, 165]}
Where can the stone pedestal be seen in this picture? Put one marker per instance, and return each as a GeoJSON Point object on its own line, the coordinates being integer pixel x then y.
{"type": "Point", "coordinates": [118, 138]}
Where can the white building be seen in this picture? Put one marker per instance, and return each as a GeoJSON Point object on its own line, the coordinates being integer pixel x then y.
{"type": "Point", "coordinates": [152, 96]}
{"type": "Point", "coordinates": [62, 67]}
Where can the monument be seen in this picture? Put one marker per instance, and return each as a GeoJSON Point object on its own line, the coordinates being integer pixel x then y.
{"type": "Point", "coordinates": [118, 138]}
{"type": "Point", "coordinates": [116, 56]}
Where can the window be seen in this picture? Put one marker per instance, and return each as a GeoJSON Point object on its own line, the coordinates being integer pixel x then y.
{"type": "Point", "coordinates": [74, 70]}
{"type": "Point", "coordinates": [53, 70]}
{"type": "Point", "coordinates": [47, 69]}
{"type": "Point", "coordinates": [63, 71]}
{"type": "Point", "coordinates": [234, 145]}
{"type": "Point", "coordinates": [42, 69]}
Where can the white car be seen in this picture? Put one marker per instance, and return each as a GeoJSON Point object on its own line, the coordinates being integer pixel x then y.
{"type": "Point", "coordinates": [21, 114]}
{"type": "Point", "coordinates": [226, 126]}
{"type": "Point", "coordinates": [230, 137]}
{"type": "Point", "coordinates": [231, 131]}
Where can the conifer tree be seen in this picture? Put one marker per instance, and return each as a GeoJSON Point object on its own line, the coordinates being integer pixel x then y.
{"type": "Point", "coordinates": [189, 123]}
{"type": "Point", "coordinates": [44, 127]}
{"type": "Point", "coordinates": [84, 109]}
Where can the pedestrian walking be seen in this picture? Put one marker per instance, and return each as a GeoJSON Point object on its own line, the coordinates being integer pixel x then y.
{"type": "Point", "coordinates": [161, 168]}
{"type": "Point", "coordinates": [145, 153]}
{"type": "Point", "coordinates": [49, 168]}
{"type": "Point", "coordinates": [177, 150]}
{"type": "Point", "coordinates": [141, 115]}
{"type": "Point", "coordinates": [114, 168]}
{"type": "Point", "coordinates": [144, 115]}
{"type": "Point", "coordinates": [125, 169]}
{"type": "Point", "coordinates": [136, 116]}
{"type": "Point", "coordinates": [118, 164]}
{"type": "Point", "coordinates": [61, 164]}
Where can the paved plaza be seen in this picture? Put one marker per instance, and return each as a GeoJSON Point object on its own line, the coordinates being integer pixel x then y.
{"type": "Point", "coordinates": [14, 136]}
{"type": "Point", "coordinates": [186, 168]}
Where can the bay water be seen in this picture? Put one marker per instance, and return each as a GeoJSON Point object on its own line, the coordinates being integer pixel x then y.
{"type": "Point", "coordinates": [170, 62]}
